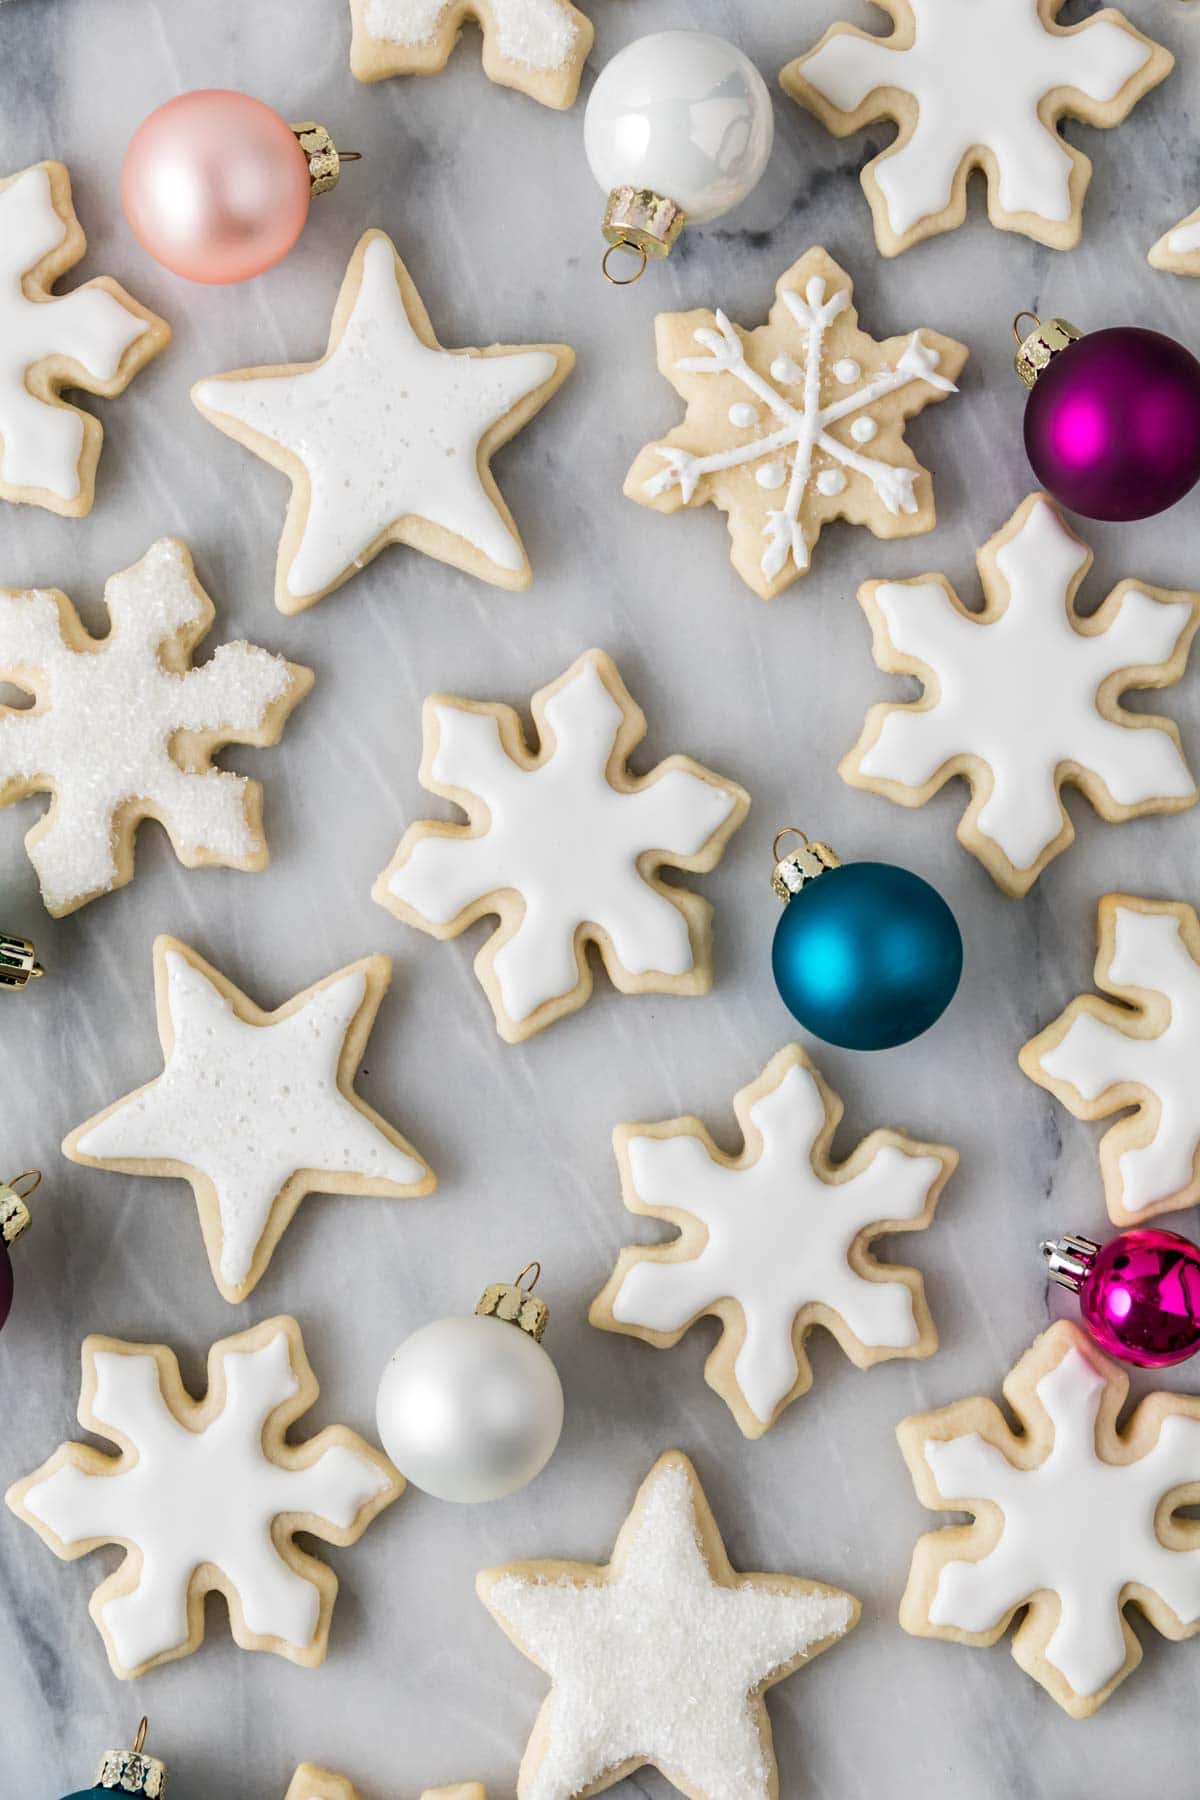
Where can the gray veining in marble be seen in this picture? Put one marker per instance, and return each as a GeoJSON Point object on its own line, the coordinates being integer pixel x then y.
{"type": "Point", "coordinates": [490, 202]}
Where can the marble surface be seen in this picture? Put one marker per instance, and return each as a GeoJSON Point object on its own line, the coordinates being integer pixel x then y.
{"type": "Point", "coordinates": [491, 204]}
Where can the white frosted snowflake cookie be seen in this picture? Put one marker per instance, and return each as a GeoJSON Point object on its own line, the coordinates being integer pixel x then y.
{"type": "Point", "coordinates": [95, 338]}
{"type": "Point", "coordinates": [795, 423]}
{"type": "Point", "coordinates": [536, 46]}
{"type": "Point", "coordinates": [1179, 249]}
{"type": "Point", "coordinates": [631, 1645]}
{"type": "Point", "coordinates": [123, 728]}
{"type": "Point", "coordinates": [388, 438]}
{"type": "Point", "coordinates": [1074, 1519]}
{"type": "Point", "coordinates": [775, 1241]}
{"type": "Point", "coordinates": [565, 844]}
{"type": "Point", "coordinates": [311, 1783]}
{"type": "Point", "coordinates": [206, 1495]}
{"type": "Point", "coordinates": [255, 1109]}
{"type": "Point", "coordinates": [1023, 696]}
{"type": "Point", "coordinates": [977, 87]}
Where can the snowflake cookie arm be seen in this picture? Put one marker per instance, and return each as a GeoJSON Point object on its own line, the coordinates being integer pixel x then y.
{"type": "Point", "coordinates": [311, 1783]}
{"type": "Point", "coordinates": [1178, 250]}
{"type": "Point", "coordinates": [992, 102]}
{"type": "Point", "coordinates": [206, 1495]}
{"type": "Point", "coordinates": [538, 47]}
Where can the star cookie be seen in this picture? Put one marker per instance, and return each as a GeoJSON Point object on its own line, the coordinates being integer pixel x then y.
{"type": "Point", "coordinates": [311, 1783]}
{"type": "Point", "coordinates": [1179, 249]}
{"type": "Point", "coordinates": [536, 46]}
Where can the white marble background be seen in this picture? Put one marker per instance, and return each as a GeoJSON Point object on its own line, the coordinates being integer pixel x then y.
{"type": "Point", "coordinates": [491, 204]}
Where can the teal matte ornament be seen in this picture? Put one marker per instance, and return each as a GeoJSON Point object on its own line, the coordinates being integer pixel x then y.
{"type": "Point", "coordinates": [125, 1772]}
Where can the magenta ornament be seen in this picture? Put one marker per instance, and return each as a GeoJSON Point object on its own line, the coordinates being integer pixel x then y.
{"type": "Point", "coordinates": [14, 1219]}
{"type": "Point", "coordinates": [6, 1283]}
{"type": "Point", "coordinates": [1139, 1294]}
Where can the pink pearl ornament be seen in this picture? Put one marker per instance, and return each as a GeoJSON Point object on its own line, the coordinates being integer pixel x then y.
{"type": "Point", "coordinates": [1139, 1294]}
{"type": "Point", "coordinates": [216, 186]}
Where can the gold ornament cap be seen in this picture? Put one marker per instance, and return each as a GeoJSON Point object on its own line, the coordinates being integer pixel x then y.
{"type": "Point", "coordinates": [18, 962]}
{"type": "Point", "coordinates": [640, 220]}
{"type": "Point", "coordinates": [323, 156]}
{"type": "Point", "coordinates": [516, 1304]}
{"type": "Point", "coordinates": [131, 1771]}
{"type": "Point", "coordinates": [1041, 345]}
{"type": "Point", "coordinates": [799, 867]}
{"type": "Point", "coordinates": [15, 1216]}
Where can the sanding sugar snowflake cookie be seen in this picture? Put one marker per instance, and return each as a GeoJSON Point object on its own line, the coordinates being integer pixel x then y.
{"type": "Point", "coordinates": [795, 423]}
{"type": "Point", "coordinates": [536, 46]}
{"type": "Point", "coordinates": [1179, 249]}
{"type": "Point", "coordinates": [629, 1646]}
{"type": "Point", "coordinates": [1023, 696]}
{"type": "Point", "coordinates": [311, 1783]}
{"type": "Point", "coordinates": [775, 1241]}
{"type": "Point", "coordinates": [206, 1495]}
{"type": "Point", "coordinates": [565, 844]}
{"type": "Point", "coordinates": [255, 1109]}
{"type": "Point", "coordinates": [1074, 1519]}
{"type": "Point", "coordinates": [977, 87]}
{"type": "Point", "coordinates": [96, 339]}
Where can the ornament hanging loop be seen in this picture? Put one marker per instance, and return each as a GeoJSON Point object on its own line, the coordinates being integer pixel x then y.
{"type": "Point", "coordinates": [1027, 313]}
{"type": "Point", "coordinates": [638, 250]}
{"type": "Point", "coordinates": [139, 1742]}
{"type": "Point", "coordinates": [788, 831]}
{"type": "Point", "coordinates": [534, 1271]}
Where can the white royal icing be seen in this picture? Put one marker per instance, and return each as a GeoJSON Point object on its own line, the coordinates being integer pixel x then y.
{"type": "Point", "coordinates": [802, 430]}
{"type": "Point", "coordinates": [250, 1106]}
{"type": "Point", "coordinates": [102, 731]}
{"type": "Point", "coordinates": [1093, 1056]}
{"type": "Point", "coordinates": [42, 442]}
{"type": "Point", "coordinates": [541, 34]}
{"type": "Point", "coordinates": [778, 1238]}
{"type": "Point", "coordinates": [1020, 691]}
{"type": "Point", "coordinates": [1186, 237]}
{"type": "Point", "coordinates": [1075, 1526]}
{"type": "Point", "coordinates": [202, 1497]}
{"type": "Point", "coordinates": [978, 74]}
{"type": "Point", "coordinates": [565, 840]}
{"type": "Point", "coordinates": [386, 428]}
{"type": "Point", "coordinates": [656, 1664]}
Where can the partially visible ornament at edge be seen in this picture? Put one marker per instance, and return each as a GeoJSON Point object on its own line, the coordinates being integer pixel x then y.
{"type": "Point", "coordinates": [1139, 1294]}
{"type": "Point", "coordinates": [127, 1772]}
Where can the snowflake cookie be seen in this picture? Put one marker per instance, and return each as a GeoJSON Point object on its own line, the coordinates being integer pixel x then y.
{"type": "Point", "coordinates": [564, 844]}
{"type": "Point", "coordinates": [388, 438]}
{"type": "Point", "coordinates": [206, 1495]}
{"type": "Point", "coordinates": [1023, 697]}
{"type": "Point", "coordinates": [630, 1646]}
{"type": "Point", "coordinates": [795, 423]}
{"type": "Point", "coordinates": [536, 46]}
{"type": "Point", "coordinates": [977, 87]}
{"type": "Point", "coordinates": [775, 1241]}
{"type": "Point", "coordinates": [1140, 1050]}
{"type": "Point", "coordinates": [1073, 1519]}
{"type": "Point", "coordinates": [96, 338]}
{"type": "Point", "coordinates": [1179, 249]}
{"type": "Point", "coordinates": [255, 1109]}
{"type": "Point", "coordinates": [311, 1783]}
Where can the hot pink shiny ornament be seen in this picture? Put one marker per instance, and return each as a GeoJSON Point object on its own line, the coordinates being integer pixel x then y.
{"type": "Point", "coordinates": [216, 186]}
{"type": "Point", "coordinates": [14, 1219]}
{"type": "Point", "coordinates": [1139, 1294]}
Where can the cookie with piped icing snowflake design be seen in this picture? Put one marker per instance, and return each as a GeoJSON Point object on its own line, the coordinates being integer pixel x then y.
{"type": "Point", "coordinates": [1074, 1519]}
{"type": "Point", "coordinates": [1140, 1050]}
{"type": "Point", "coordinates": [1178, 250]}
{"type": "Point", "coordinates": [95, 339]}
{"type": "Point", "coordinates": [629, 1646]}
{"type": "Point", "coordinates": [977, 87]}
{"type": "Point", "coordinates": [311, 1783]}
{"type": "Point", "coordinates": [255, 1109]}
{"type": "Point", "coordinates": [775, 1241]}
{"type": "Point", "coordinates": [388, 438]}
{"type": "Point", "coordinates": [795, 423]}
{"type": "Point", "coordinates": [124, 728]}
{"type": "Point", "coordinates": [536, 46]}
{"type": "Point", "coordinates": [206, 1495]}
{"type": "Point", "coordinates": [565, 844]}
{"type": "Point", "coordinates": [1022, 697]}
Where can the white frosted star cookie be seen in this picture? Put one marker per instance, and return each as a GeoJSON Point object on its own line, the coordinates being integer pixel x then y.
{"type": "Point", "coordinates": [388, 438]}
{"type": "Point", "coordinates": [1023, 696]}
{"type": "Point", "coordinates": [1074, 1519]}
{"type": "Point", "coordinates": [311, 1783]}
{"type": "Point", "coordinates": [775, 1241]}
{"type": "Point", "coordinates": [630, 1646]}
{"type": "Point", "coordinates": [206, 1495]}
{"type": "Point", "coordinates": [1179, 249]}
{"type": "Point", "coordinates": [255, 1109]}
{"type": "Point", "coordinates": [536, 46]}
{"type": "Point", "coordinates": [95, 338]}
{"type": "Point", "coordinates": [565, 844]}
{"type": "Point", "coordinates": [977, 87]}
{"type": "Point", "coordinates": [123, 728]}
{"type": "Point", "coordinates": [795, 423]}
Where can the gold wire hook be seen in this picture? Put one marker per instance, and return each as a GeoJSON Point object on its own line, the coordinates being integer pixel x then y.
{"type": "Point", "coordinates": [624, 280]}
{"type": "Point", "coordinates": [350, 155]}
{"type": "Point", "coordinates": [140, 1738]}
{"type": "Point", "coordinates": [788, 831]}
{"type": "Point", "coordinates": [32, 1176]}
{"type": "Point", "coordinates": [1026, 313]}
{"type": "Point", "coordinates": [520, 1282]}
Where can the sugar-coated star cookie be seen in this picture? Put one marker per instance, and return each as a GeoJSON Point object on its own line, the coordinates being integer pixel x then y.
{"type": "Point", "coordinates": [95, 338]}
{"type": "Point", "coordinates": [1022, 697]}
{"type": "Point", "coordinates": [206, 1495]}
{"type": "Point", "coordinates": [664, 1655]}
{"type": "Point", "coordinates": [537, 46]}
{"type": "Point", "coordinates": [1074, 1519]}
{"type": "Point", "coordinates": [775, 1241]}
{"type": "Point", "coordinates": [388, 438]}
{"type": "Point", "coordinates": [311, 1783]}
{"type": "Point", "coordinates": [1179, 249]}
{"type": "Point", "coordinates": [255, 1109]}
{"type": "Point", "coordinates": [565, 844]}
{"type": "Point", "coordinates": [977, 87]}
{"type": "Point", "coordinates": [123, 728]}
